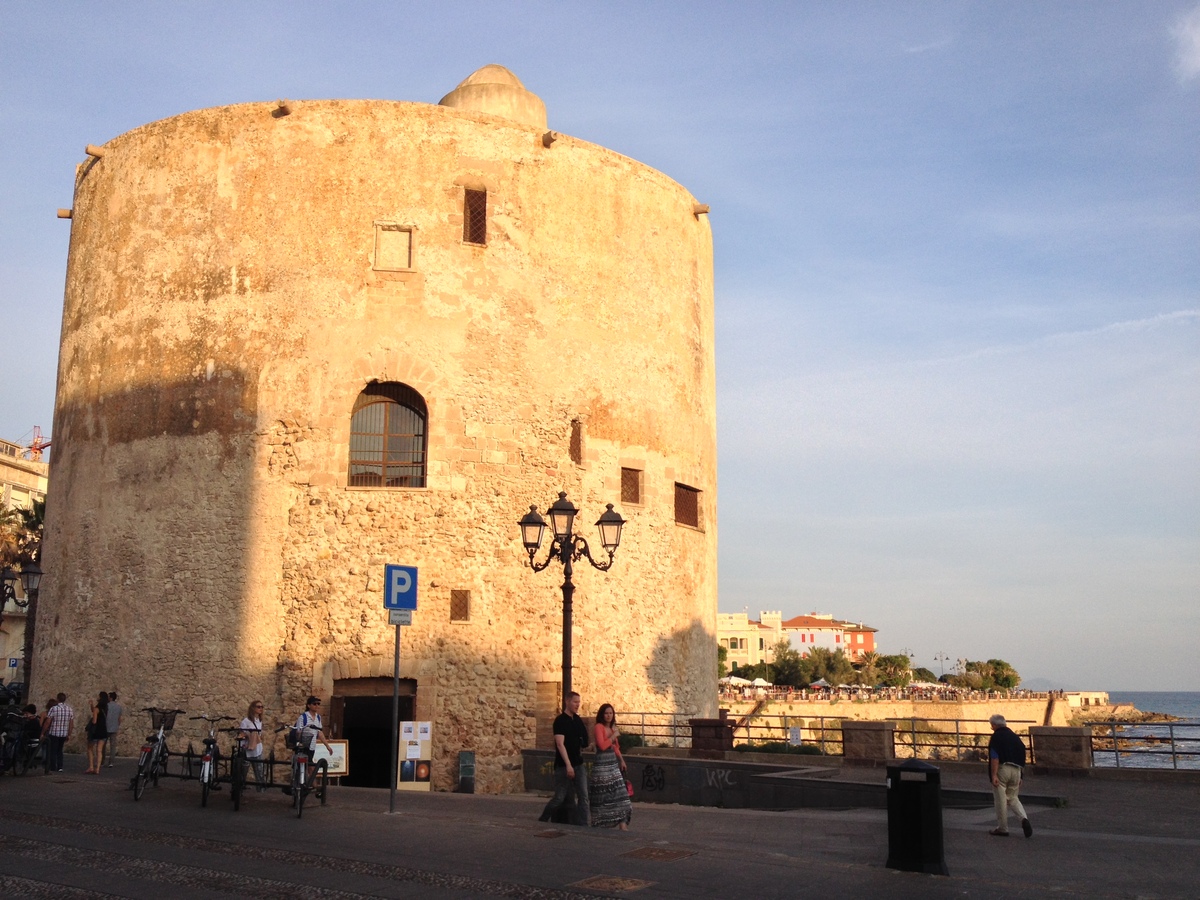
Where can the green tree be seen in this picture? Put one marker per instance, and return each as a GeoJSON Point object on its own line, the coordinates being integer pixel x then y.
{"type": "Point", "coordinates": [923, 674]}
{"type": "Point", "coordinates": [790, 668]}
{"type": "Point", "coordinates": [11, 533]}
{"type": "Point", "coordinates": [29, 547]}
{"type": "Point", "coordinates": [895, 670]}
{"type": "Point", "coordinates": [832, 665]}
{"type": "Point", "coordinates": [722, 655]}
{"type": "Point", "coordinates": [986, 675]}
{"type": "Point", "coordinates": [868, 668]}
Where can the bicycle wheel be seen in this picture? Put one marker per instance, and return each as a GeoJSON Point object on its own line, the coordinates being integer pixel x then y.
{"type": "Point", "coordinates": [299, 787]}
{"type": "Point", "coordinates": [142, 776]}
{"type": "Point", "coordinates": [206, 773]}
{"type": "Point", "coordinates": [237, 780]}
{"type": "Point", "coordinates": [320, 780]}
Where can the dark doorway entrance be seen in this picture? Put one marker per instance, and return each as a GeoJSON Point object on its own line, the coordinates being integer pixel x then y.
{"type": "Point", "coordinates": [362, 710]}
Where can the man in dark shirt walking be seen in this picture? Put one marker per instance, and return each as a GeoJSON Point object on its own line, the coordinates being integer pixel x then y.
{"type": "Point", "coordinates": [570, 737]}
{"type": "Point", "coordinates": [1006, 763]}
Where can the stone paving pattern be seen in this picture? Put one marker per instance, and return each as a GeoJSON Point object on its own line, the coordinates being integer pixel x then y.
{"type": "Point", "coordinates": [72, 835]}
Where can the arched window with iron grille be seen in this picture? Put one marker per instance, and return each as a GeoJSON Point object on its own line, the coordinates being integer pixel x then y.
{"type": "Point", "coordinates": [388, 437]}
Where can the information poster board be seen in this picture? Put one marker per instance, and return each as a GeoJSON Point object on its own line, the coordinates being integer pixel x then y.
{"type": "Point", "coordinates": [416, 755]}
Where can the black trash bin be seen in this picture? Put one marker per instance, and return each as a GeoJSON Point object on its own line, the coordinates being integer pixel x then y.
{"type": "Point", "coordinates": [466, 772]}
{"type": "Point", "coordinates": [914, 803]}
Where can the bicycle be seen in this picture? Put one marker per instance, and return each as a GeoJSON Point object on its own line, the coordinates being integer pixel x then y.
{"type": "Point", "coordinates": [20, 749]}
{"type": "Point", "coordinates": [304, 781]}
{"type": "Point", "coordinates": [210, 758]}
{"type": "Point", "coordinates": [152, 761]}
{"type": "Point", "coordinates": [238, 764]}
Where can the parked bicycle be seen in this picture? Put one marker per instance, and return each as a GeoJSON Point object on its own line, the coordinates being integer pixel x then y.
{"type": "Point", "coordinates": [21, 743]}
{"type": "Point", "coordinates": [152, 761]}
{"type": "Point", "coordinates": [211, 757]}
{"type": "Point", "coordinates": [307, 777]}
{"type": "Point", "coordinates": [239, 763]}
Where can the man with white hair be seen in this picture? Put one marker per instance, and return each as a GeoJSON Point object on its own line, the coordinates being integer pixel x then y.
{"type": "Point", "coordinates": [1006, 762]}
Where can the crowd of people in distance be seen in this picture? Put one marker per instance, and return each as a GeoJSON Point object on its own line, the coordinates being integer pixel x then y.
{"type": "Point", "coordinates": [733, 693]}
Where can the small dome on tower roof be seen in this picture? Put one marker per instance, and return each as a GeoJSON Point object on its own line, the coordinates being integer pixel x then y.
{"type": "Point", "coordinates": [492, 74]}
{"type": "Point", "coordinates": [495, 90]}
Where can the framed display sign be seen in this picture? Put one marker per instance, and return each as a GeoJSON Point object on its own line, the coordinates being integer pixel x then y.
{"type": "Point", "coordinates": [339, 759]}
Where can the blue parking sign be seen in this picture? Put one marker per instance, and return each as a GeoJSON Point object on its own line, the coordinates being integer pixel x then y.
{"type": "Point", "coordinates": [399, 587]}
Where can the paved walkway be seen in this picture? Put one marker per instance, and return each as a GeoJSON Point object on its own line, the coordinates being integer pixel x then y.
{"type": "Point", "coordinates": [75, 835]}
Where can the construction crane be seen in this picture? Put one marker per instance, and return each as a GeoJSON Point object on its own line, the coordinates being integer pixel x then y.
{"type": "Point", "coordinates": [34, 450]}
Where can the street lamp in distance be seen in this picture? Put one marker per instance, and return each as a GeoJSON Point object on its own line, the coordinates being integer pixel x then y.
{"type": "Point", "coordinates": [568, 547]}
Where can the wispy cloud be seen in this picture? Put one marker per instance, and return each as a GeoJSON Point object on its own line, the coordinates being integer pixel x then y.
{"type": "Point", "coordinates": [1187, 45]}
{"type": "Point", "coordinates": [932, 45]}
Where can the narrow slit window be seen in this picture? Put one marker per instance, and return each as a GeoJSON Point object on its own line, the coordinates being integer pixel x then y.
{"type": "Point", "coordinates": [475, 217]}
{"type": "Point", "coordinates": [687, 505]}
{"type": "Point", "coordinates": [460, 606]}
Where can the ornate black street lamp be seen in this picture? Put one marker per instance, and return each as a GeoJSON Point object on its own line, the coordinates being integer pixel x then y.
{"type": "Point", "coordinates": [31, 577]}
{"type": "Point", "coordinates": [568, 548]}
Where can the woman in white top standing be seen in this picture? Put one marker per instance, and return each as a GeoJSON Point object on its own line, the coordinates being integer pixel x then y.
{"type": "Point", "coordinates": [252, 727]}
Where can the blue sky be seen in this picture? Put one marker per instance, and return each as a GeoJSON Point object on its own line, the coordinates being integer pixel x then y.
{"type": "Point", "coordinates": [957, 267]}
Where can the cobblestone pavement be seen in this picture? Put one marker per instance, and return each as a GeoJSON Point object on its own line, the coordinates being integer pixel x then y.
{"type": "Point", "coordinates": [74, 835]}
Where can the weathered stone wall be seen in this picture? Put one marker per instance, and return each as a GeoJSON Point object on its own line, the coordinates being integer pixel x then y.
{"type": "Point", "coordinates": [222, 313]}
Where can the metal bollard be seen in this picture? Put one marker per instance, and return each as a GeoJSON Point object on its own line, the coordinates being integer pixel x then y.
{"type": "Point", "coordinates": [914, 803]}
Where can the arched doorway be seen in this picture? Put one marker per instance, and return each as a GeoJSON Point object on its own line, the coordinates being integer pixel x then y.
{"type": "Point", "coordinates": [361, 713]}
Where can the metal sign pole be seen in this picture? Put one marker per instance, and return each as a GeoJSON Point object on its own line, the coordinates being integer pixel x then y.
{"type": "Point", "coordinates": [395, 721]}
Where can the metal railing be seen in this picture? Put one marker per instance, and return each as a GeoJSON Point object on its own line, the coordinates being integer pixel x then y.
{"type": "Point", "coordinates": [1145, 745]}
{"type": "Point", "coordinates": [914, 738]}
{"type": "Point", "coordinates": [965, 740]}
{"type": "Point", "coordinates": [658, 729]}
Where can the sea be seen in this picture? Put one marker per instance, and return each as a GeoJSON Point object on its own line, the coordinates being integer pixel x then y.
{"type": "Point", "coordinates": [1151, 746]}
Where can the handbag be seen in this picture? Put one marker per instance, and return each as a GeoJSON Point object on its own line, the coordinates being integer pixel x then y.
{"type": "Point", "coordinates": [629, 788]}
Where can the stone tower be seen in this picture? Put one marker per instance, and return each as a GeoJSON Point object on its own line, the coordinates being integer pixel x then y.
{"type": "Point", "coordinates": [303, 340]}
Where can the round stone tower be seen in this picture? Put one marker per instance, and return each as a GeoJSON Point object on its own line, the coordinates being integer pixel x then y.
{"type": "Point", "coordinates": [304, 340]}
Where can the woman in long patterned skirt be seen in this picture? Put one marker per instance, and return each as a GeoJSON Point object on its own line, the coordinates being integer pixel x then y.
{"type": "Point", "coordinates": [608, 795]}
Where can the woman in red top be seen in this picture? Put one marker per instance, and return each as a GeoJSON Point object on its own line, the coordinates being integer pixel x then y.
{"type": "Point", "coordinates": [609, 797]}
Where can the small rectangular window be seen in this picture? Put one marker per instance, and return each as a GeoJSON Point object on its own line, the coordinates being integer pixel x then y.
{"type": "Point", "coordinates": [475, 217]}
{"type": "Point", "coordinates": [460, 606]}
{"type": "Point", "coordinates": [631, 486]}
{"type": "Point", "coordinates": [687, 505]}
{"type": "Point", "coordinates": [393, 247]}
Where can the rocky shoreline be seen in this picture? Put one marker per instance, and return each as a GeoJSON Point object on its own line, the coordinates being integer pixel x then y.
{"type": "Point", "coordinates": [1120, 712]}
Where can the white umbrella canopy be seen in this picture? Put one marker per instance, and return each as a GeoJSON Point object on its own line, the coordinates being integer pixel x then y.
{"type": "Point", "coordinates": [820, 682]}
{"type": "Point", "coordinates": [734, 679]}
{"type": "Point", "coordinates": [761, 682]}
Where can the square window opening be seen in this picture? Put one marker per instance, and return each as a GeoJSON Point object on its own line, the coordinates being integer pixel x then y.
{"type": "Point", "coordinates": [631, 486]}
{"type": "Point", "coordinates": [687, 505]}
{"type": "Point", "coordinates": [393, 247]}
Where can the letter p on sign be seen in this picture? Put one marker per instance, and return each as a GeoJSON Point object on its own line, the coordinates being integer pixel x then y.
{"type": "Point", "coordinates": [399, 587]}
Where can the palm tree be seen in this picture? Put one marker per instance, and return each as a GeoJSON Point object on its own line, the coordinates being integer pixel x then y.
{"type": "Point", "coordinates": [867, 663]}
{"type": "Point", "coordinates": [11, 532]}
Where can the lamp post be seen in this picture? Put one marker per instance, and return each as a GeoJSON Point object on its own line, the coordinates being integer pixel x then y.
{"type": "Point", "coordinates": [942, 658]}
{"type": "Point", "coordinates": [31, 578]}
{"type": "Point", "coordinates": [568, 547]}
